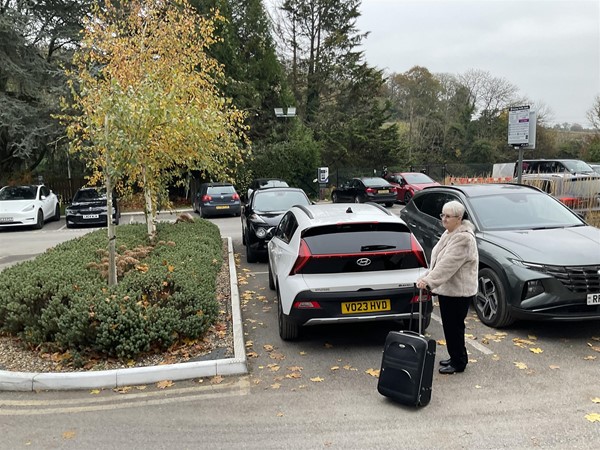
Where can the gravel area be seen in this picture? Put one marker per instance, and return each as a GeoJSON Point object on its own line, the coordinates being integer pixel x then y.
{"type": "Point", "coordinates": [218, 343]}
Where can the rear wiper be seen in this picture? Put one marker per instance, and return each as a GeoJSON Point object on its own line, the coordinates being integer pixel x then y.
{"type": "Point", "coordinates": [368, 248]}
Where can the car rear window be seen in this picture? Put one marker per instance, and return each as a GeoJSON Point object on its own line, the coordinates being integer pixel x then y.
{"type": "Point", "coordinates": [220, 190]}
{"type": "Point", "coordinates": [88, 194]}
{"type": "Point", "coordinates": [277, 201]}
{"type": "Point", "coordinates": [364, 247]}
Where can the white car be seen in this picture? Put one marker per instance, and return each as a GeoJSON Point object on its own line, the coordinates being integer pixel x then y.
{"type": "Point", "coordinates": [29, 205]}
{"type": "Point", "coordinates": [334, 263]}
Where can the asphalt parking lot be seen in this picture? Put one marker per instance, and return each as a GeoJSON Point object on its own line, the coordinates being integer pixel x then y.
{"type": "Point", "coordinates": [533, 385]}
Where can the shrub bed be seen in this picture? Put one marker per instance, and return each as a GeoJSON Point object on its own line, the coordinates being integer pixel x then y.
{"type": "Point", "coordinates": [165, 293]}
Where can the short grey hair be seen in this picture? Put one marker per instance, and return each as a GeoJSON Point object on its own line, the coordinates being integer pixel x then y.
{"type": "Point", "coordinates": [454, 208]}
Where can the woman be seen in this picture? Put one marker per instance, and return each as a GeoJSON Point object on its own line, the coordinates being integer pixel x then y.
{"type": "Point", "coordinates": [453, 278]}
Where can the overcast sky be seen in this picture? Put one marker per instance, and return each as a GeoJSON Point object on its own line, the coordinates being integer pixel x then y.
{"type": "Point", "coordinates": [548, 49]}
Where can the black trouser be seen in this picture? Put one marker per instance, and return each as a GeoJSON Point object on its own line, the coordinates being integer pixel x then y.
{"type": "Point", "coordinates": [454, 311]}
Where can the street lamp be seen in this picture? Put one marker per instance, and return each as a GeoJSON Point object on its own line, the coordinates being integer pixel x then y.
{"type": "Point", "coordinates": [290, 111]}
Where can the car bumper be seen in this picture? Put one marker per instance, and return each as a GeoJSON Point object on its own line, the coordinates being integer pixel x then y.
{"type": "Point", "coordinates": [86, 219]}
{"type": "Point", "coordinates": [388, 198]}
{"type": "Point", "coordinates": [330, 303]}
{"type": "Point", "coordinates": [18, 219]}
{"type": "Point", "coordinates": [217, 210]}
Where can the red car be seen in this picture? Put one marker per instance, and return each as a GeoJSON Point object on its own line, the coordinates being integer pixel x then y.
{"type": "Point", "coordinates": [407, 183]}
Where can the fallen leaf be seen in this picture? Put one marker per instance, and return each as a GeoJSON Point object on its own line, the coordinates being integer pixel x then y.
{"type": "Point", "coordinates": [268, 347]}
{"type": "Point", "coordinates": [596, 400]}
{"type": "Point", "coordinates": [68, 435]}
{"type": "Point", "coordinates": [553, 367]}
{"type": "Point", "coordinates": [477, 386]}
{"type": "Point", "coordinates": [249, 343]}
{"type": "Point", "coordinates": [217, 379]}
{"type": "Point", "coordinates": [328, 345]}
{"type": "Point", "coordinates": [95, 391]}
{"type": "Point", "coordinates": [472, 360]}
{"type": "Point", "coordinates": [596, 338]}
{"type": "Point", "coordinates": [279, 414]}
{"type": "Point", "coordinates": [140, 388]}
{"type": "Point", "coordinates": [520, 365]}
{"type": "Point", "coordinates": [164, 384]}
{"type": "Point", "coordinates": [275, 355]}
{"type": "Point", "coordinates": [536, 350]}
{"type": "Point", "coordinates": [532, 337]}
{"type": "Point", "coordinates": [275, 386]}
{"type": "Point", "coordinates": [294, 375]}
{"type": "Point", "coordinates": [122, 390]}
{"type": "Point", "coordinates": [303, 353]}
{"type": "Point", "coordinates": [295, 368]}
{"type": "Point", "coordinates": [470, 336]}
{"type": "Point", "coordinates": [501, 333]}
{"type": "Point", "coordinates": [252, 355]}
{"type": "Point", "coordinates": [593, 417]}
{"type": "Point", "coordinates": [317, 379]}
{"type": "Point", "coordinates": [589, 358]}
{"type": "Point", "coordinates": [245, 270]}
{"type": "Point", "coordinates": [335, 368]}
{"type": "Point", "coordinates": [373, 372]}
{"type": "Point", "coordinates": [495, 358]}
{"type": "Point", "coordinates": [441, 342]}
{"type": "Point", "coordinates": [274, 367]}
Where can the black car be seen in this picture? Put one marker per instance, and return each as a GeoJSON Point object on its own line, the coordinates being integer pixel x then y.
{"type": "Point", "coordinates": [262, 214]}
{"type": "Point", "coordinates": [217, 198]}
{"type": "Point", "coordinates": [367, 189]}
{"type": "Point", "coordinates": [260, 183]}
{"type": "Point", "coordinates": [89, 208]}
{"type": "Point", "coordinates": [538, 259]}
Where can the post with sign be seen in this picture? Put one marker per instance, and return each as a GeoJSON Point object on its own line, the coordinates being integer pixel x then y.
{"type": "Point", "coordinates": [322, 179]}
{"type": "Point", "coordinates": [521, 132]}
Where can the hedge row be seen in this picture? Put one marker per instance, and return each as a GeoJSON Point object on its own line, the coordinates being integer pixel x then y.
{"type": "Point", "coordinates": [166, 291]}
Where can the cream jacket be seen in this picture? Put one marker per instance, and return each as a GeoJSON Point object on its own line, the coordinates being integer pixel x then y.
{"type": "Point", "coordinates": [454, 263]}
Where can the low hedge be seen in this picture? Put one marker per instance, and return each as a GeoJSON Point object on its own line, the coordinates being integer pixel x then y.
{"type": "Point", "coordinates": [166, 291]}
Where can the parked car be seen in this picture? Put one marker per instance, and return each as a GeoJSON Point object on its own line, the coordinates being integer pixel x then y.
{"type": "Point", "coordinates": [262, 214]}
{"type": "Point", "coordinates": [367, 189]}
{"type": "Point", "coordinates": [596, 167]}
{"type": "Point", "coordinates": [27, 205]}
{"type": "Point", "coordinates": [217, 198]}
{"type": "Point", "coordinates": [538, 259]}
{"type": "Point", "coordinates": [334, 263]}
{"type": "Point", "coordinates": [259, 183]}
{"type": "Point", "coordinates": [89, 207]}
{"type": "Point", "coordinates": [407, 183]}
{"type": "Point", "coordinates": [570, 166]}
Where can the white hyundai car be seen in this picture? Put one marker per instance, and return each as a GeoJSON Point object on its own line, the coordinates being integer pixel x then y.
{"type": "Point", "coordinates": [334, 263]}
{"type": "Point", "coordinates": [29, 205]}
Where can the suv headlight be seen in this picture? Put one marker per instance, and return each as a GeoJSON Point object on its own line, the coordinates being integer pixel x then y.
{"type": "Point", "coordinates": [261, 232]}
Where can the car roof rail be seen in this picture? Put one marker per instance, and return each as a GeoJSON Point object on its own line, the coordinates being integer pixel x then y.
{"type": "Point", "coordinates": [380, 207]}
{"type": "Point", "coordinates": [306, 210]}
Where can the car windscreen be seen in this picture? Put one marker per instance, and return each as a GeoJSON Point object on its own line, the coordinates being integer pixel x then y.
{"type": "Point", "coordinates": [220, 190]}
{"type": "Point", "coordinates": [89, 194]}
{"type": "Point", "coordinates": [417, 178]}
{"type": "Point", "coordinates": [576, 166]}
{"type": "Point", "coordinates": [277, 201]}
{"type": "Point", "coordinates": [532, 210]}
{"type": "Point", "coordinates": [18, 193]}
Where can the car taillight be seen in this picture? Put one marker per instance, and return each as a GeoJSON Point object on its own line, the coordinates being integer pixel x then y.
{"type": "Point", "coordinates": [306, 304]}
{"type": "Point", "coordinates": [417, 250]}
{"type": "Point", "coordinates": [371, 191]}
{"type": "Point", "coordinates": [235, 196]}
{"type": "Point", "coordinates": [426, 297]}
{"type": "Point", "coordinates": [206, 198]}
{"type": "Point", "coordinates": [393, 189]}
{"type": "Point", "coordinates": [303, 256]}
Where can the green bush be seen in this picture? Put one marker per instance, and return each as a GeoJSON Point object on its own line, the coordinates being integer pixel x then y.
{"type": "Point", "coordinates": [166, 291]}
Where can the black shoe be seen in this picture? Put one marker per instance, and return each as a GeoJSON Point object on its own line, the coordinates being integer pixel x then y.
{"type": "Point", "coordinates": [450, 370]}
{"type": "Point", "coordinates": [445, 362]}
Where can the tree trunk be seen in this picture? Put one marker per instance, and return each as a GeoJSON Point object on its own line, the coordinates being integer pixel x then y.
{"type": "Point", "coordinates": [112, 260]}
{"type": "Point", "coordinates": [149, 209]}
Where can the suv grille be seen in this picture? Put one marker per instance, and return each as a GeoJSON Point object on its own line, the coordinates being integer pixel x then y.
{"type": "Point", "coordinates": [582, 279]}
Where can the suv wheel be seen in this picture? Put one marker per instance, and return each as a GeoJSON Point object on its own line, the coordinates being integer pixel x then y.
{"type": "Point", "coordinates": [490, 303]}
{"type": "Point", "coordinates": [56, 217]}
{"type": "Point", "coordinates": [407, 197]}
{"type": "Point", "coordinates": [39, 224]}
{"type": "Point", "coordinates": [288, 330]}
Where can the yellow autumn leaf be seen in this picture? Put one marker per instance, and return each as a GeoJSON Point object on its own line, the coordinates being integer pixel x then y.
{"type": "Point", "coordinates": [275, 386]}
{"type": "Point", "coordinates": [335, 368]}
{"type": "Point", "coordinates": [140, 388]}
{"type": "Point", "coordinates": [554, 367]}
{"type": "Point", "coordinates": [520, 365]}
{"type": "Point", "coordinates": [217, 379]}
{"type": "Point", "coordinates": [593, 417]}
{"type": "Point", "coordinates": [596, 400]}
{"type": "Point", "coordinates": [589, 358]}
{"type": "Point", "coordinates": [68, 434]}
{"type": "Point", "coordinates": [171, 268]}
{"type": "Point", "coordinates": [279, 414]}
{"type": "Point", "coordinates": [303, 353]}
{"type": "Point", "coordinates": [317, 379]}
{"type": "Point", "coordinates": [441, 342]}
{"type": "Point", "coordinates": [249, 343]}
{"type": "Point", "coordinates": [293, 375]}
{"type": "Point", "coordinates": [164, 384]}
{"type": "Point", "coordinates": [477, 386]}
{"type": "Point", "coordinates": [495, 358]}
{"type": "Point", "coordinates": [274, 367]}
{"type": "Point", "coordinates": [252, 355]}
{"type": "Point", "coordinates": [295, 368]}
{"type": "Point", "coordinates": [95, 391]}
{"type": "Point", "coordinates": [533, 337]}
{"type": "Point", "coordinates": [536, 350]}
{"type": "Point", "coordinates": [268, 347]}
{"type": "Point", "coordinates": [245, 270]}
{"type": "Point", "coordinates": [373, 372]}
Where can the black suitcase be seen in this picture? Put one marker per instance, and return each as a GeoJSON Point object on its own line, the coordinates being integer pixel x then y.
{"type": "Point", "coordinates": [406, 374]}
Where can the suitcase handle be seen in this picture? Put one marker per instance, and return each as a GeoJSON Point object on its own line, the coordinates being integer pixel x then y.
{"type": "Point", "coordinates": [420, 318]}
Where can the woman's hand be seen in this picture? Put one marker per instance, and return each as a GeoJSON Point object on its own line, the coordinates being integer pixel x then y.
{"type": "Point", "coordinates": [421, 284]}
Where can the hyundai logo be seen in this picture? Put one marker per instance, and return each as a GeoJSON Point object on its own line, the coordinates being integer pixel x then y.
{"type": "Point", "coordinates": [363, 262]}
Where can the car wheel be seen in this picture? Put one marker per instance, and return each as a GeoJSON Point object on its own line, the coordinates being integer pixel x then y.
{"type": "Point", "coordinates": [288, 330]}
{"type": "Point", "coordinates": [56, 217]}
{"type": "Point", "coordinates": [490, 303]}
{"type": "Point", "coordinates": [271, 281]}
{"type": "Point", "coordinates": [389, 204]}
{"type": "Point", "coordinates": [407, 197]}
{"type": "Point", "coordinates": [40, 220]}
{"type": "Point", "coordinates": [334, 197]}
{"type": "Point", "coordinates": [357, 199]}
{"type": "Point", "coordinates": [243, 237]}
{"type": "Point", "coordinates": [251, 255]}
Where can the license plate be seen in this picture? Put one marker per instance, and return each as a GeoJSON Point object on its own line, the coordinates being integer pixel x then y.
{"type": "Point", "coordinates": [366, 306]}
{"type": "Point", "coordinates": [223, 207]}
{"type": "Point", "coordinates": [383, 191]}
{"type": "Point", "coordinates": [593, 299]}
{"type": "Point", "coordinates": [6, 219]}
{"type": "Point", "coordinates": [90, 216]}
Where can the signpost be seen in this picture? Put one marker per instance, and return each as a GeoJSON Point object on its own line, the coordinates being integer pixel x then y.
{"type": "Point", "coordinates": [322, 179]}
{"type": "Point", "coordinates": [521, 132]}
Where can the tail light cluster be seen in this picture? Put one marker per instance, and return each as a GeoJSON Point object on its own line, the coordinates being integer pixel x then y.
{"type": "Point", "coordinates": [426, 297]}
{"type": "Point", "coordinates": [374, 191]}
{"type": "Point", "coordinates": [208, 198]}
{"type": "Point", "coordinates": [305, 255]}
